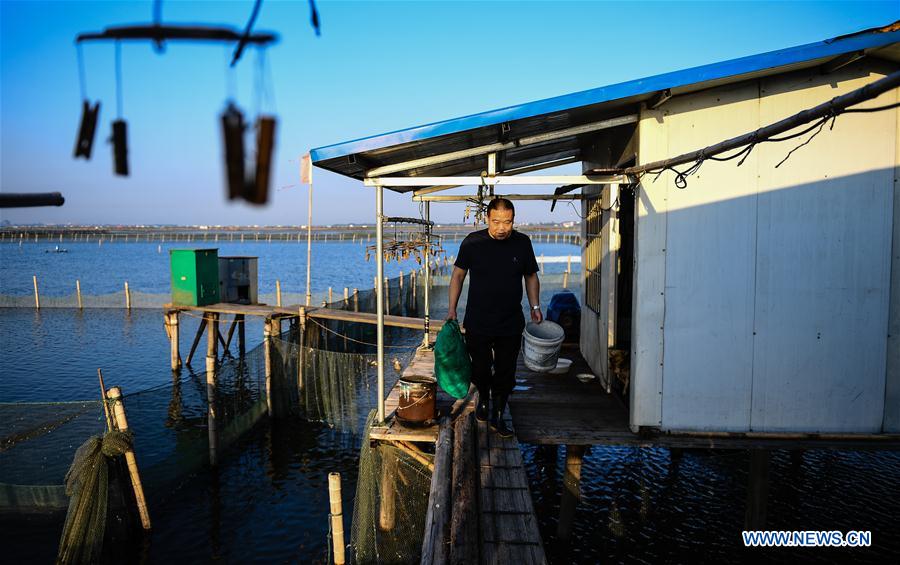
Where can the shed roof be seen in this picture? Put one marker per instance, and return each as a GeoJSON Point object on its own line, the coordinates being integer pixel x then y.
{"type": "Point", "coordinates": [354, 158]}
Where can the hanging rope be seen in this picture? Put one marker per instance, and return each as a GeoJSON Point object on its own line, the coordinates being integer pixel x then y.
{"type": "Point", "coordinates": [314, 17]}
{"type": "Point", "coordinates": [348, 338]}
{"type": "Point", "coordinates": [119, 79]}
{"type": "Point", "coordinates": [87, 483]}
{"type": "Point", "coordinates": [82, 80]}
{"type": "Point", "coordinates": [239, 50]}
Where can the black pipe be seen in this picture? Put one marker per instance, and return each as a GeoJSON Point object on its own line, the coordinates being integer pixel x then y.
{"type": "Point", "coordinates": [25, 199]}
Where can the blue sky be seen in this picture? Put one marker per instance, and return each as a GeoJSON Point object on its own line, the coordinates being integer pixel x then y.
{"type": "Point", "coordinates": [377, 67]}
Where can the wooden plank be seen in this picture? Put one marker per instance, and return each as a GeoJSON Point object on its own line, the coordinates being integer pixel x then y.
{"type": "Point", "coordinates": [265, 310]}
{"type": "Point", "coordinates": [464, 517]}
{"type": "Point", "coordinates": [435, 546]}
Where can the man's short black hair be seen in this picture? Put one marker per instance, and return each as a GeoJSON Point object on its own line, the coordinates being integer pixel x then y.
{"type": "Point", "coordinates": [500, 204]}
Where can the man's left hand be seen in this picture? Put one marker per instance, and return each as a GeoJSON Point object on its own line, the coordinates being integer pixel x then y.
{"type": "Point", "coordinates": [536, 316]}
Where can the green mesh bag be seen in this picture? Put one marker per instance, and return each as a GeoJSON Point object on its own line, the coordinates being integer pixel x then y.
{"type": "Point", "coordinates": [452, 366]}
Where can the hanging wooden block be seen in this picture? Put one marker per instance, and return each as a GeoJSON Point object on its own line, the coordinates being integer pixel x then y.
{"type": "Point", "coordinates": [233, 136]}
{"type": "Point", "coordinates": [258, 190]}
{"type": "Point", "coordinates": [86, 130]}
{"type": "Point", "coordinates": [120, 147]}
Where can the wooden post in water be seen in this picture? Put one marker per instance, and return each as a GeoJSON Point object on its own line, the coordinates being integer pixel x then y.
{"type": "Point", "coordinates": [337, 517]}
{"type": "Point", "coordinates": [569, 264]}
{"type": "Point", "coordinates": [242, 346]}
{"type": "Point", "coordinates": [78, 293]}
{"type": "Point", "coordinates": [121, 422]}
{"type": "Point", "coordinates": [571, 493]}
{"type": "Point", "coordinates": [172, 325]}
{"type": "Point", "coordinates": [387, 296]}
{"type": "Point", "coordinates": [330, 295]}
{"type": "Point", "coordinates": [346, 297]}
{"type": "Point", "coordinates": [37, 297]}
{"type": "Point", "coordinates": [387, 512]}
{"type": "Point", "coordinates": [127, 297]}
{"type": "Point", "coordinates": [267, 341]}
{"type": "Point", "coordinates": [212, 342]}
{"type": "Point", "coordinates": [278, 293]}
{"type": "Point", "coordinates": [356, 300]}
{"type": "Point", "coordinates": [757, 490]}
{"type": "Point", "coordinates": [566, 279]}
{"type": "Point", "coordinates": [301, 350]}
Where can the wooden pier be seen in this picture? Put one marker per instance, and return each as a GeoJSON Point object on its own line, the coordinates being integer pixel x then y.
{"type": "Point", "coordinates": [489, 518]}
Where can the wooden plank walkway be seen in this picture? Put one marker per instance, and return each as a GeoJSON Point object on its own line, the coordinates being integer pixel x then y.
{"type": "Point", "coordinates": [508, 526]}
{"type": "Point", "coordinates": [560, 409]}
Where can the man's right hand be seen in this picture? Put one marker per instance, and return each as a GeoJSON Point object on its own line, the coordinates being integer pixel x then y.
{"type": "Point", "coordinates": [451, 315]}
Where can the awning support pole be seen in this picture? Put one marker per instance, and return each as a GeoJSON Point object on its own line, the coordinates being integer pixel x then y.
{"type": "Point", "coordinates": [425, 340]}
{"type": "Point", "coordinates": [379, 294]}
{"type": "Point", "coordinates": [309, 240]}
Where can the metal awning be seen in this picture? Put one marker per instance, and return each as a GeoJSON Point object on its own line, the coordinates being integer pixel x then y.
{"type": "Point", "coordinates": [549, 132]}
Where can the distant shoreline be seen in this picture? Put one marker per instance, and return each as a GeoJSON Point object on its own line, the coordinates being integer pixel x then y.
{"type": "Point", "coordinates": [42, 232]}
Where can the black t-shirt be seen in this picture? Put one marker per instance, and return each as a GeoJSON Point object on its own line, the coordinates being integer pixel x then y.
{"type": "Point", "coordinates": [496, 268]}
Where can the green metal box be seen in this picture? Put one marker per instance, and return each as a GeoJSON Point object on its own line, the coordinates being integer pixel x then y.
{"type": "Point", "coordinates": [195, 276]}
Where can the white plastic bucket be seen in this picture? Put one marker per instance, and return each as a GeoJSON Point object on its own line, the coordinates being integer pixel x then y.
{"type": "Point", "coordinates": [540, 345]}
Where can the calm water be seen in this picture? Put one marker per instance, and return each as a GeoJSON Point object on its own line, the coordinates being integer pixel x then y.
{"type": "Point", "coordinates": [268, 500]}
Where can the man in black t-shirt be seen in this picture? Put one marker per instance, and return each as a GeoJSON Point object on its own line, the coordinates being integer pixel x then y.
{"type": "Point", "coordinates": [498, 258]}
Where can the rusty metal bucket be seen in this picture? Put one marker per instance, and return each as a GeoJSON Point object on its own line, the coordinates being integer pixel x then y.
{"type": "Point", "coordinates": [417, 400]}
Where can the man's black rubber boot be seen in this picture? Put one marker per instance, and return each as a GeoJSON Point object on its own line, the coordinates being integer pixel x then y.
{"type": "Point", "coordinates": [481, 411]}
{"type": "Point", "coordinates": [497, 423]}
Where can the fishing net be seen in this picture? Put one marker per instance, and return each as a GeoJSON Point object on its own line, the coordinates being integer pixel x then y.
{"type": "Point", "coordinates": [391, 503]}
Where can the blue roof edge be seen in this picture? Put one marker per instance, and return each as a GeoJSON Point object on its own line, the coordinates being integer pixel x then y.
{"type": "Point", "coordinates": [673, 79]}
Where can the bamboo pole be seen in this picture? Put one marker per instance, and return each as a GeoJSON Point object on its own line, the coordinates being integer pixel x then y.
{"type": "Point", "coordinates": [278, 293]}
{"type": "Point", "coordinates": [832, 107]}
{"type": "Point", "coordinates": [109, 424]}
{"type": "Point", "coordinates": [37, 297]}
{"type": "Point", "coordinates": [212, 342]}
{"type": "Point", "coordinates": [127, 297]}
{"type": "Point", "coordinates": [78, 293]}
{"type": "Point", "coordinates": [337, 517]}
{"type": "Point", "coordinates": [121, 421]}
